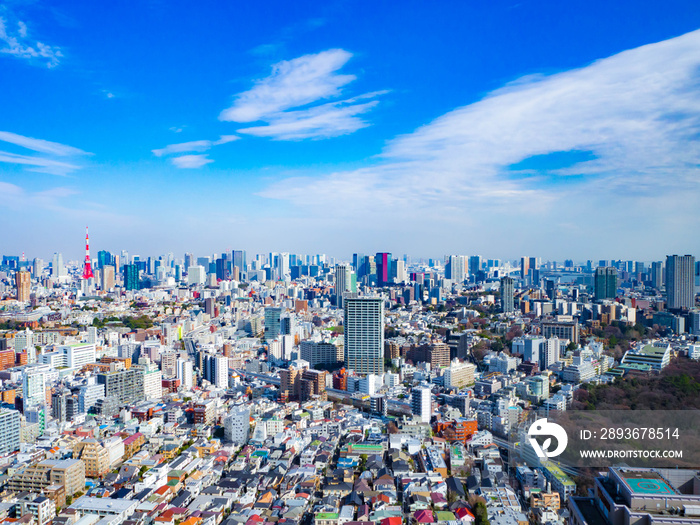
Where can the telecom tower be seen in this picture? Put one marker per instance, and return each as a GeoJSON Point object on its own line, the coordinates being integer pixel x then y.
{"type": "Point", "coordinates": [87, 270]}
{"type": "Point", "coordinates": [88, 276]}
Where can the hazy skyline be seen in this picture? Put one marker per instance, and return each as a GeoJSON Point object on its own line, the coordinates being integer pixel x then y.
{"type": "Point", "coordinates": [558, 131]}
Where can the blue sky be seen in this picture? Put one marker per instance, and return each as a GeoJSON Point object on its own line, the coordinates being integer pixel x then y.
{"type": "Point", "coordinates": [557, 129]}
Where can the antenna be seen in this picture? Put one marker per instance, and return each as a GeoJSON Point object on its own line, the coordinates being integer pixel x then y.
{"type": "Point", "coordinates": [87, 269]}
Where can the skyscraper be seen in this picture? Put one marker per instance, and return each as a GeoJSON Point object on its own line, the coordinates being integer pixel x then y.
{"type": "Point", "coordinates": [23, 282]}
{"type": "Point", "coordinates": [343, 282]}
{"type": "Point", "coordinates": [107, 274]}
{"type": "Point", "coordinates": [364, 335]}
{"type": "Point", "coordinates": [605, 283]}
{"type": "Point", "coordinates": [507, 293]}
{"type": "Point", "coordinates": [239, 261]}
{"type": "Point", "coordinates": [657, 274]}
{"type": "Point", "coordinates": [384, 268]}
{"type": "Point", "coordinates": [131, 277]}
{"type": "Point", "coordinates": [57, 268]}
{"type": "Point", "coordinates": [272, 323]}
{"type": "Point", "coordinates": [421, 403]}
{"type": "Point", "coordinates": [680, 281]}
{"type": "Point", "coordinates": [454, 269]}
{"type": "Point", "coordinates": [474, 264]}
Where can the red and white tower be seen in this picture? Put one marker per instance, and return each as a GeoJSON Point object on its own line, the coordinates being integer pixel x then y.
{"type": "Point", "coordinates": [87, 270]}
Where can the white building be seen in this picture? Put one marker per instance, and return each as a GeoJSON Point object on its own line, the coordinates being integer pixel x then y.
{"type": "Point", "coordinates": [370, 384]}
{"type": "Point", "coordinates": [184, 373]}
{"type": "Point", "coordinates": [196, 275]}
{"type": "Point", "coordinates": [237, 425]}
{"type": "Point", "coordinates": [152, 379]}
{"type": "Point", "coordinates": [89, 394]}
{"type": "Point", "coordinates": [24, 339]}
{"type": "Point", "coordinates": [34, 388]}
{"type": "Point", "coordinates": [459, 375]}
{"type": "Point", "coordinates": [421, 403]}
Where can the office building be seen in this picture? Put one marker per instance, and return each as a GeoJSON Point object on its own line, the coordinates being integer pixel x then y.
{"type": "Point", "coordinates": [321, 353]}
{"type": "Point", "coordinates": [58, 270]}
{"type": "Point", "coordinates": [459, 375]}
{"type": "Point", "coordinates": [507, 294]}
{"type": "Point", "coordinates": [474, 264]}
{"type": "Point", "coordinates": [108, 278]}
{"type": "Point", "coordinates": [364, 335]}
{"type": "Point", "coordinates": [126, 386]}
{"type": "Point", "coordinates": [680, 281]}
{"type": "Point", "coordinates": [216, 370]}
{"type": "Point", "coordinates": [9, 430]}
{"type": "Point", "coordinates": [421, 403]}
{"type": "Point", "coordinates": [23, 283]}
{"type": "Point", "coordinates": [184, 373]}
{"type": "Point", "coordinates": [196, 275]}
{"type": "Point", "coordinates": [89, 394]}
{"type": "Point", "coordinates": [33, 388]}
{"type": "Point", "coordinates": [385, 272]}
{"type": "Point", "coordinates": [455, 269]}
{"type": "Point", "coordinates": [344, 282]}
{"type": "Point", "coordinates": [131, 277]}
{"type": "Point", "coordinates": [656, 275]}
{"type": "Point", "coordinates": [272, 322]}
{"type": "Point", "coordinates": [605, 283]}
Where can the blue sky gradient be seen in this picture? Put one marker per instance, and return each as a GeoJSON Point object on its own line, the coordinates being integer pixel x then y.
{"type": "Point", "coordinates": [557, 129]}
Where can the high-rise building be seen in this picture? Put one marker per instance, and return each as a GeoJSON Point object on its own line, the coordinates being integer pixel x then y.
{"type": "Point", "coordinates": [421, 403]}
{"type": "Point", "coordinates": [507, 294]}
{"type": "Point", "coordinates": [104, 258]}
{"type": "Point", "coordinates": [272, 322]}
{"type": "Point", "coordinates": [58, 270]}
{"type": "Point", "coordinates": [131, 277]}
{"type": "Point", "coordinates": [454, 269]}
{"type": "Point", "coordinates": [680, 281]}
{"type": "Point", "coordinates": [9, 431]}
{"type": "Point", "coordinates": [89, 394]}
{"type": "Point", "coordinates": [33, 388]}
{"type": "Point", "coordinates": [657, 274]}
{"type": "Point", "coordinates": [474, 264]}
{"type": "Point", "coordinates": [124, 385]}
{"type": "Point", "coordinates": [605, 283]}
{"type": "Point", "coordinates": [364, 335]}
{"type": "Point", "coordinates": [239, 261]}
{"type": "Point", "coordinates": [384, 268]}
{"type": "Point", "coordinates": [23, 282]}
{"type": "Point", "coordinates": [108, 277]}
{"type": "Point", "coordinates": [344, 282]}
{"type": "Point", "coordinates": [216, 370]}
{"type": "Point", "coordinates": [184, 373]}
{"type": "Point", "coordinates": [38, 268]}
{"type": "Point", "coordinates": [321, 353]}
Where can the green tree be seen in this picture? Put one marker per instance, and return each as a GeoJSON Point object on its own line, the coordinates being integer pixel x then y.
{"type": "Point", "coordinates": [481, 515]}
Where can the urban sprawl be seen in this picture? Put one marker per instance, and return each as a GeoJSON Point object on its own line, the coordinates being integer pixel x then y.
{"type": "Point", "coordinates": [300, 390]}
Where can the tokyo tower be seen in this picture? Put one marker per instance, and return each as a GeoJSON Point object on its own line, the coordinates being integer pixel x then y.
{"type": "Point", "coordinates": [87, 270]}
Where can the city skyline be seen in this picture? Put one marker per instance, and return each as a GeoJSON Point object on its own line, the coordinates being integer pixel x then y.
{"type": "Point", "coordinates": [322, 127]}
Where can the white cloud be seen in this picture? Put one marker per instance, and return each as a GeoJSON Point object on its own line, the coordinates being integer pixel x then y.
{"type": "Point", "coordinates": [43, 146]}
{"type": "Point", "coordinates": [325, 121]}
{"type": "Point", "coordinates": [225, 139]}
{"type": "Point", "coordinates": [44, 164]}
{"type": "Point", "coordinates": [637, 113]}
{"type": "Point", "coordinates": [18, 44]}
{"type": "Point", "coordinates": [190, 161]}
{"type": "Point", "coordinates": [195, 145]}
{"type": "Point", "coordinates": [292, 83]}
{"type": "Point", "coordinates": [198, 146]}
